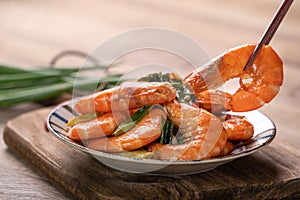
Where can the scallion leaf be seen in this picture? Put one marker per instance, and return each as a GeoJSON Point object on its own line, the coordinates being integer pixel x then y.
{"type": "Point", "coordinates": [167, 132]}
{"type": "Point", "coordinates": [132, 121]}
{"type": "Point", "coordinates": [21, 85]}
{"type": "Point", "coordinates": [183, 94]}
{"type": "Point", "coordinates": [83, 118]}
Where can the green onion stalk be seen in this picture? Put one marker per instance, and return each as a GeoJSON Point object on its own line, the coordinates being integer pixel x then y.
{"type": "Point", "coordinates": [21, 85]}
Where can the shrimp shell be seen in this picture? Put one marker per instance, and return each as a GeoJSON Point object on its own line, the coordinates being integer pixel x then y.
{"type": "Point", "coordinates": [99, 127]}
{"type": "Point", "coordinates": [145, 132]}
{"type": "Point", "coordinates": [207, 140]}
{"type": "Point", "coordinates": [238, 128]}
{"type": "Point", "coordinates": [126, 97]}
{"type": "Point", "coordinates": [258, 85]}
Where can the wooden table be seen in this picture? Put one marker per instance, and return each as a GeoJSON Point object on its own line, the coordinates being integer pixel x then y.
{"type": "Point", "coordinates": [31, 32]}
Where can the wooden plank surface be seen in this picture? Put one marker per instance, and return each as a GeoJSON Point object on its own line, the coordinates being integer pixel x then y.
{"type": "Point", "coordinates": [19, 180]}
{"type": "Point", "coordinates": [32, 31]}
{"type": "Point", "coordinates": [272, 173]}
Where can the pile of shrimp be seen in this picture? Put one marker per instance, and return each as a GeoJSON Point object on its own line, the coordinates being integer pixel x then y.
{"type": "Point", "coordinates": [204, 127]}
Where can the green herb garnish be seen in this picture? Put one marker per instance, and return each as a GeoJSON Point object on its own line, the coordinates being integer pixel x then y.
{"type": "Point", "coordinates": [132, 121]}
{"type": "Point", "coordinates": [183, 94]}
{"type": "Point", "coordinates": [166, 131]}
{"type": "Point", "coordinates": [22, 85]}
{"type": "Point", "coordinates": [83, 118]}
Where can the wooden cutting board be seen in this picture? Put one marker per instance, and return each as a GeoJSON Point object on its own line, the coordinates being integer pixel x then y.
{"type": "Point", "coordinates": [272, 173]}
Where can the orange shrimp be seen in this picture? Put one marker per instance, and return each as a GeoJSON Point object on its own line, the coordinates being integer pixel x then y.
{"type": "Point", "coordinates": [99, 127]}
{"type": "Point", "coordinates": [207, 140]}
{"type": "Point", "coordinates": [184, 117]}
{"type": "Point", "coordinates": [258, 85]}
{"type": "Point", "coordinates": [238, 128]}
{"type": "Point", "coordinates": [145, 132]}
{"type": "Point", "coordinates": [228, 148]}
{"type": "Point", "coordinates": [214, 100]}
{"type": "Point", "coordinates": [126, 97]}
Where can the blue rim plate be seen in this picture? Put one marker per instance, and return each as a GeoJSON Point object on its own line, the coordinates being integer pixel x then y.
{"type": "Point", "coordinates": [264, 133]}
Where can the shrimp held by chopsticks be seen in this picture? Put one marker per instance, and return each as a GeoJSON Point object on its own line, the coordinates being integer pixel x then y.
{"type": "Point", "coordinates": [258, 85]}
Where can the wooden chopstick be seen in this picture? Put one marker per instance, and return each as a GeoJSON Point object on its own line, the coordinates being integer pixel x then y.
{"type": "Point", "coordinates": [270, 31]}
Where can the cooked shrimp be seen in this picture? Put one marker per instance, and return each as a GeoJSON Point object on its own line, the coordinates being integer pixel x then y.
{"type": "Point", "coordinates": [184, 117]}
{"type": "Point", "coordinates": [145, 132]}
{"type": "Point", "coordinates": [99, 127]}
{"type": "Point", "coordinates": [228, 148]}
{"type": "Point", "coordinates": [238, 128]}
{"type": "Point", "coordinates": [207, 140]}
{"type": "Point", "coordinates": [126, 97]}
{"type": "Point", "coordinates": [258, 85]}
{"type": "Point", "coordinates": [214, 100]}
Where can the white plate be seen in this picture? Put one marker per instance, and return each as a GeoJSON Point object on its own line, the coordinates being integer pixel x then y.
{"type": "Point", "coordinates": [264, 133]}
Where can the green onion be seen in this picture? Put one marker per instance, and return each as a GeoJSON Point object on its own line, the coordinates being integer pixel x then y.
{"type": "Point", "coordinates": [83, 118]}
{"type": "Point", "coordinates": [26, 79]}
{"type": "Point", "coordinates": [46, 70]}
{"type": "Point", "coordinates": [139, 154]}
{"type": "Point", "coordinates": [167, 131]}
{"type": "Point", "coordinates": [183, 94]}
{"type": "Point", "coordinates": [133, 120]}
{"type": "Point", "coordinates": [180, 140]}
{"type": "Point", "coordinates": [34, 93]}
{"type": "Point", "coordinates": [10, 70]}
{"type": "Point", "coordinates": [163, 128]}
{"type": "Point", "coordinates": [21, 85]}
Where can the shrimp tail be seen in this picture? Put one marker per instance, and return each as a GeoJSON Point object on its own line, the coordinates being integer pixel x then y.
{"type": "Point", "coordinates": [258, 85]}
